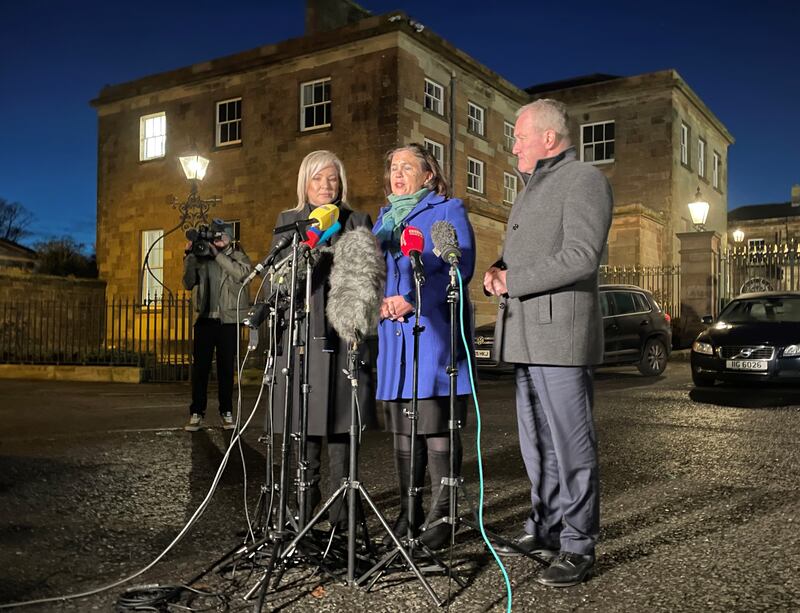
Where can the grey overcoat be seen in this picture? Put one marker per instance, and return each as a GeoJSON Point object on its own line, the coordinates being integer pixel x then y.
{"type": "Point", "coordinates": [556, 233]}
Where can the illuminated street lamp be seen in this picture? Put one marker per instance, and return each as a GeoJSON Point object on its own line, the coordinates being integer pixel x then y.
{"type": "Point", "coordinates": [194, 166]}
{"type": "Point", "coordinates": [738, 236]}
{"type": "Point", "coordinates": [699, 211]}
{"type": "Point", "coordinates": [194, 211]}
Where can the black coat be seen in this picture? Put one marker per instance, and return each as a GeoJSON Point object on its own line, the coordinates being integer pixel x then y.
{"type": "Point", "coordinates": [329, 398]}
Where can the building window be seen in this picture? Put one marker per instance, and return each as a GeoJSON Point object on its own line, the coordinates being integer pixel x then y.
{"type": "Point", "coordinates": [153, 267]}
{"type": "Point", "coordinates": [474, 175]}
{"type": "Point", "coordinates": [715, 170]}
{"type": "Point", "coordinates": [437, 151]}
{"type": "Point", "coordinates": [508, 136]}
{"type": "Point", "coordinates": [229, 122]}
{"type": "Point", "coordinates": [684, 144]}
{"type": "Point", "coordinates": [236, 229]}
{"type": "Point", "coordinates": [755, 244]}
{"type": "Point", "coordinates": [152, 136]}
{"type": "Point", "coordinates": [475, 122]}
{"type": "Point", "coordinates": [434, 97]}
{"type": "Point", "coordinates": [701, 157]}
{"type": "Point", "coordinates": [597, 142]}
{"type": "Point", "coordinates": [315, 104]}
{"type": "Point", "coordinates": [509, 188]}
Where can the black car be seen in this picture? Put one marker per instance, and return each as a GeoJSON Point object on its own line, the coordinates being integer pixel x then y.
{"type": "Point", "coordinates": [636, 330]}
{"type": "Point", "coordinates": [756, 337]}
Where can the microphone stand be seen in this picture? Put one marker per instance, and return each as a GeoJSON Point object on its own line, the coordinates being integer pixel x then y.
{"type": "Point", "coordinates": [382, 566]}
{"type": "Point", "coordinates": [302, 450]}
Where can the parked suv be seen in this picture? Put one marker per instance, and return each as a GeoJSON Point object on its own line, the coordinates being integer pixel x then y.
{"type": "Point", "coordinates": [636, 332]}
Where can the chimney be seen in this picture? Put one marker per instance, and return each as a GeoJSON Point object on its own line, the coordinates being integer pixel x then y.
{"type": "Point", "coordinates": [325, 15]}
{"type": "Point", "coordinates": [795, 195]}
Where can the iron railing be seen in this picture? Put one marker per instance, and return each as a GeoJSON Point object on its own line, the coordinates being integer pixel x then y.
{"type": "Point", "coordinates": [664, 282]}
{"type": "Point", "coordinates": [155, 336]}
{"type": "Point", "coordinates": [769, 267]}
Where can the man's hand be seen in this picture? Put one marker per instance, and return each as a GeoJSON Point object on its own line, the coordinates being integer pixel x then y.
{"type": "Point", "coordinates": [395, 308]}
{"type": "Point", "coordinates": [494, 282]}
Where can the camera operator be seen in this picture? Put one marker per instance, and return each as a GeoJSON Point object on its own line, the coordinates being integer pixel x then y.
{"type": "Point", "coordinates": [213, 269]}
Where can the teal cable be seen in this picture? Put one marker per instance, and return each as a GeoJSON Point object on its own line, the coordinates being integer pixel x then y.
{"type": "Point", "coordinates": [480, 458]}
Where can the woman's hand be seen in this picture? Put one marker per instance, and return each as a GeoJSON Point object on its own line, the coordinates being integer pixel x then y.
{"type": "Point", "coordinates": [395, 308]}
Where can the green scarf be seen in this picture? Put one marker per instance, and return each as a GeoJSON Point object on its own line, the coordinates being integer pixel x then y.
{"type": "Point", "coordinates": [400, 207]}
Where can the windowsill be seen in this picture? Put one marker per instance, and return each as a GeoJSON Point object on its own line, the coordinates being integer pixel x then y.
{"type": "Point", "coordinates": [441, 116]}
{"type": "Point", "coordinates": [478, 135]}
{"type": "Point", "coordinates": [687, 167]}
{"type": "Point", "coordinates": [601, 162]}
{"type": "Point", "coordinates": [236, 145]}
{"type": "Point", "coordinates": [316, 129]}
{"type": "Point", "coordinates": [476, 192]}
{"type": "Point", "coordinates": [703, 179]}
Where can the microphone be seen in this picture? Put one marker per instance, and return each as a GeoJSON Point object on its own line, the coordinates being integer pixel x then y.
{"type": "Point", "coordinates": [445, 242]}
{"type": "Point", "coordinates": [317, 237]}
{"type": "Point", "coordinates": [323, 216]}
{"type": "Point", "coordinates": [357, 282]}
{"type": "Point", "coordinates": [412, 242]}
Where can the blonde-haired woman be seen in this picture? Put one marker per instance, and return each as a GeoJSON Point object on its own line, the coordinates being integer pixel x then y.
{"type": "Point", "coordinates": [322, 180]}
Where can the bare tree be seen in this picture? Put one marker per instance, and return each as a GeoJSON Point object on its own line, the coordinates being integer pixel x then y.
{"type": "Point", "coordinates": [63, 257]}
{"type": "Point", "coordinates": [14, 220]}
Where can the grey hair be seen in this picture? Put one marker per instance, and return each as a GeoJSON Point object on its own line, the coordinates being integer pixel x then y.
{"type": "Point", "coordinates": [548, 114]}
{"type": "Point", "coordinates": [311, 165]}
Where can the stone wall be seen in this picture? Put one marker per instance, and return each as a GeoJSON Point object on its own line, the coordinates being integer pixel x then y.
{"type": "Point", "coordinates": [636, 237]}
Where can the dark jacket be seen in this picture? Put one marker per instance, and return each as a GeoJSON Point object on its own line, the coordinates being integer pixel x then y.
{"type": "Point", "coordinates": [329, 398]}
{"type": "Point", "coordinates": [234, 265]}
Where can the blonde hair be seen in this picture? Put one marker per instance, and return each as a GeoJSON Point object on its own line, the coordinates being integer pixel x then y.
{"type": "Point", "coordinates": [311, 165]}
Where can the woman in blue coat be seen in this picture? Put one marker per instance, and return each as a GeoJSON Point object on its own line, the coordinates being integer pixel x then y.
{"type": "Point", "coordinates": [418, 197]}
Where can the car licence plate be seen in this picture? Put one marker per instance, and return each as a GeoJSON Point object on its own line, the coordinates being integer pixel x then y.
{"type": "Point", "coordinates": [747, 364]}
{"type": "Point", "coordinates": [483, 353]}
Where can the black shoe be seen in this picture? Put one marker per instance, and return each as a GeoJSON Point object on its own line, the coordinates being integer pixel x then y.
{"type": "Point", "coordinates": [567, 569]}
{"type": "Point", "coordinates": [527, 543]}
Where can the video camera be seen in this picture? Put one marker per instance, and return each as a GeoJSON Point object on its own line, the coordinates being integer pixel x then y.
{"type": "Point", "coordinates": [202, 237]}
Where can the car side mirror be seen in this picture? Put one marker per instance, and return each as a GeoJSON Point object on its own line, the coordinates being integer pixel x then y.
{"type": "Point", "coordinates": [707, 319]}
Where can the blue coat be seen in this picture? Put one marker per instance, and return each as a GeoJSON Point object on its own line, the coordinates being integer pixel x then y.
{"type": "Point", "coordinates": [395, 339]}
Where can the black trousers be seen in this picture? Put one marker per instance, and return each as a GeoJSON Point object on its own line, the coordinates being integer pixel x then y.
{"type": "Point", "coordinates": [210, 335]}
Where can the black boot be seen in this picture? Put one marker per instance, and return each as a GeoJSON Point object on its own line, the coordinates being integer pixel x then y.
{"type": "Point", "coordinates": [438, 535]}
{"type": "Point", "coordinates": [401, 460]}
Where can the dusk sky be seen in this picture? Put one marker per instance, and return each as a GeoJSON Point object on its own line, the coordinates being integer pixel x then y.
{"type": "Point", "coordinates": [742, 59]}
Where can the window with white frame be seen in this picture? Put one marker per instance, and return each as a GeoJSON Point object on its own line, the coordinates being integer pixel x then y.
{"type": "Point", "coordinates": [597, 142]}
{"type": "Point", "coordinates": [701, 157]}
{"type": "Point", "coordinates": [684, 144]}
{"type": "Point", "coordinates": [434, 97]}
{"type": "Point", "coordinates": [508, 136]}
{"type": "Point", "coordinates": [229, 122]}
{"type": "Point", "coordinates": [315, 104]}
{"type": "Point", "coordinates": [437, 151]}
{"type": "Point", "coordinates": [475, 119]}
{"type": "Point", "coordinates": [509, 188]}
{"type": "Point", "coordinates": [474, 175]}
{"type": "Point", "coordinates": [152, 265]}
{"type": "Point", "coordinates": [152, 136]}
{"type": "Point", "coordinates": [756, 244]}
{"type": "Point", "coordinates": [715, 170]}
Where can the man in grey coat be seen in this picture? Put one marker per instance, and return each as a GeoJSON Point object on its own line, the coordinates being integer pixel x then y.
{"type": "Point", "coordinates": [549, 325]}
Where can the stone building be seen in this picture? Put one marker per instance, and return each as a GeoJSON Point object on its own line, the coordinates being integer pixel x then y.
{"type": "Point", "coordinates": [14, 255]}
{"type": "Point", "coordinates": [358, 91]}
{"type": "Point", "coordinates": [767, 224]}
{"type": "Point", "coordinates": [657, 143]}
{"type": "Point", "coordinates": [359, 85]}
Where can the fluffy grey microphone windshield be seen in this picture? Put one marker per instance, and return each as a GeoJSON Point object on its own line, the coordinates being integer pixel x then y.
{"type": "Point", "coordinates": [445, 241]}
{"type": "Point", "coordinates": [357, 282]}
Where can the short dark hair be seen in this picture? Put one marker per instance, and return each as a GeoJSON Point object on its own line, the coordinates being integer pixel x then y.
{"type": "Point", "coordinates": [437, 182]}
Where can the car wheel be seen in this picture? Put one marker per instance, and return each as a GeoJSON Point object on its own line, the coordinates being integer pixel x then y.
{"type": "Point", "coordinates": [701, 380]}
{"type": "Point", "coordinates": [654, 358]}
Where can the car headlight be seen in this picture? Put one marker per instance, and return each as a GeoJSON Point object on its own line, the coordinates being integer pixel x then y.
{"type": "Point", "coordinates": [791, 350]}
{"type": "Point", "coordinates": [704, 348]}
